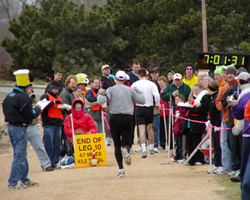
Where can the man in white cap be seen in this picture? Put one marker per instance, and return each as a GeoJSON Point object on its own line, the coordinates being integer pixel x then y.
{"type": "Point", "coordinates": [121, 99]}
{"type": "Point", "coordinates": [19, 112]}
{"type": "Point", "coordinates": [177, 87]}
{"type": "Point", "coordinates": [169, 93]}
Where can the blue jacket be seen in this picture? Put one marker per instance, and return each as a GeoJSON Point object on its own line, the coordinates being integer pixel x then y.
{"type": "Point", "coordinates": [238, 112]}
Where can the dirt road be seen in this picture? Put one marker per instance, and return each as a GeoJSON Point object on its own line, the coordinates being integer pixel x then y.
{"type": "Point", "coordinates": [150, 178]}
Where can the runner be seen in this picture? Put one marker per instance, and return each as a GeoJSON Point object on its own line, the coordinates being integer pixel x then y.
{"type": "Point", "coordinates": [121, 98]}
{"type": "Point", "coordinates": [144, 112]}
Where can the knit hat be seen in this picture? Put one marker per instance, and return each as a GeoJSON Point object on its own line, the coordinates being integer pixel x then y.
{"type": "Point", "coordinates": [219, 70]}
{"type": "Point", "coordinates": [55, 85]}
{"type": "Point", "coordinates": [213, 86]}
{"type": "Point", "coordinates": [189, 64]}
{"type": "Point", "coordinates": [241, 69]}
{"type": "Point", "coordinates": [231, 70]}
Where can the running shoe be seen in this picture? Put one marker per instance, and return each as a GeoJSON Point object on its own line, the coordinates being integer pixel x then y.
{"type": "Point", "coordinates": [17, 187]}
{"type": "Point", "coordinates": [156, 150]}
{"type": "Point", "coordinates": [152, 151]}
{"type": "Point", "coordinates": [144, 154]}
{"type": "Point", "coordinates": [211, 171]}
{"type": "Point", "coordinates": [126, 156]}
{"type": "Point", "coordinates": [121, 173]}
{"type": "Point", "coordinates": [30, 183]}
{"type": "Point", "coordinates": [138, 149]}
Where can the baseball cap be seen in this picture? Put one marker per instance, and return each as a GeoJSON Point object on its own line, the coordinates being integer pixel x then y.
{"type": "Point", "coordinates": [243, 76]}
{"type": "Point", "coordinates": [154, 70]}
{"type": "Point", "coordinates": [120, 75]}
{"type": "Point", "coordinates": [177, 76]}
{"type": "Point", "coordinates": [171, 71]}
{"type": "Point", "coordinates": [105, 66]}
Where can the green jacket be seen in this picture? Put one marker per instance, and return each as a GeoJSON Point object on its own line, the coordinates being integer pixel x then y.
{"type": "Point", "coordinates": [184, 89]}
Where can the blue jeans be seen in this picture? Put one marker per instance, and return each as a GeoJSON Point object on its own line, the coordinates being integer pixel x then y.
{"type": "Point", "coordinates": [20, 166]}
{"type": "Point", "coordinates": [245, 169]}
{"type": "Point", "coordinates": [225, 152]}
{"type": "Point", "coordinates": [37, 144]}
{"type": "Point", "coordinates": [52, 141]}
{"type": "Point", "coordinates": [156, 127]}
{"type": "Point", "coordinates": [99, 126]}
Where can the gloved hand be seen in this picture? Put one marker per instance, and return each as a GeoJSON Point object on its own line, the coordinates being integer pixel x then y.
{"type": "Point", "coordinates": [177, 114]}
{"type": "Point", "coordinates": [216, 129]}
{"type": "Point", "coordinates": [57, 102]}
{"type": "Point", "coordinates": [208, 123]}
{"type": "Point", "coordinates": [236, 131]}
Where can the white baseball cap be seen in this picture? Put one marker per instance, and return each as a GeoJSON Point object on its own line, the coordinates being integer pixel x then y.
{"type": "Point", "coordinates": [177, 76]}
{"type": "Point", "coordinates": [120, 75]}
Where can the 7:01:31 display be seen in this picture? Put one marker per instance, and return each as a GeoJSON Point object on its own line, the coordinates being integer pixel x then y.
{"type": "Point", "coordinates": [224, 59]}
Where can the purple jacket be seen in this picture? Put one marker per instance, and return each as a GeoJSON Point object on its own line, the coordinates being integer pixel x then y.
{"type": "Point", "coordinates": [238, 112]}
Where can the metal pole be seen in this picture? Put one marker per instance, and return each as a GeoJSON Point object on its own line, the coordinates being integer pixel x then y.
{"type": "Point", "coordinates": [166, 133]}
{"type": "Point", "coordinates": [204, 25]}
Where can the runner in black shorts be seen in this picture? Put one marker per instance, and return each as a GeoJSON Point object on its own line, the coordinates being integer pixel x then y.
{"type": "Point", "coordinates": [144, 112]}
{"type": "Point", "coordinates": [144, 115]}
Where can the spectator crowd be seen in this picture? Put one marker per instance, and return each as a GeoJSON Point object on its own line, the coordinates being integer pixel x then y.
{"type": "Point", "coordinates": [169, 112]}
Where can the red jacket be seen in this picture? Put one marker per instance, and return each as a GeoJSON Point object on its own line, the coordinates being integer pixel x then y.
{"type": "Point", "coordinates": [177, 127]}
{"type": "Point", "coordinates": [165, 107]}
{"type": "Point", "coordinates": [81, 121]}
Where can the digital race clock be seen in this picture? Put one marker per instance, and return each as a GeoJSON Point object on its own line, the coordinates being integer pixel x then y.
{"type": "Point", "coordinates": [211, 60]}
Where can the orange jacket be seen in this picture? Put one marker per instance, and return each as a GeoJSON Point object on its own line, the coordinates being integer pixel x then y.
{"type": "Point", "coordinates": [55, 112]}
{"type": "Point", "coordinates": [219, 97]}
{"type": "Point", "coordinates": [247, 111]}
{"type": "Point", "coordinates": [97, 106]}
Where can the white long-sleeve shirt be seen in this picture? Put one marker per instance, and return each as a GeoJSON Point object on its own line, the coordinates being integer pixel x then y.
{"type": "Point", "coordinates": [150, 92]}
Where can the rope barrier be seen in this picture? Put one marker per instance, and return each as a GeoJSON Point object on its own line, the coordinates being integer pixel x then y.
{"type": "Point", "coordinates": [195, 121]}
{"type": "Point", "coordinates": [184, 118]}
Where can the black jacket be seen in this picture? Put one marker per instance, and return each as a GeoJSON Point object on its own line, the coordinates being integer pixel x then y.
{"type": "Point", "coordinates": [105, 82]}
{"type": "Point", "coordinates": [202, 113]}
{"type": "Point", "coordinates": [18, 109]}
{"type": "Point", "coordinates": [213, 111]}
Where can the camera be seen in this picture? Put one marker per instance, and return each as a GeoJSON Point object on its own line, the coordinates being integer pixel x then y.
{"type": "Point", "coordinates": [32, 96]}
{"type": "Point", "coordinates": [233, 97]}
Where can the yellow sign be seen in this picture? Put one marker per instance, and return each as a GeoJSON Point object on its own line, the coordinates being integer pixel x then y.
{"type": "Point", "coordinates": [85, 145]}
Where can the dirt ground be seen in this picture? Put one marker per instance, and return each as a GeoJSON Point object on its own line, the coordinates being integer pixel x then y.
{"type": "Point", "coordinates": [150, 178]}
